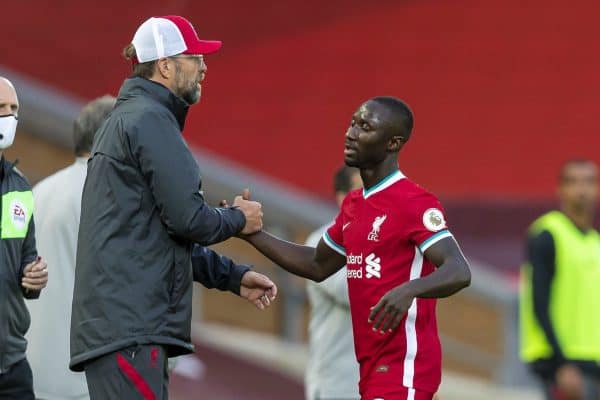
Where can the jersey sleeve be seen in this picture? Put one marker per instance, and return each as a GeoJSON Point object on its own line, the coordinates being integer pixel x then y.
{"type": "Point", "coordinates": [427, 222]}
{"type": "Point", "coordinates": [333, 236]}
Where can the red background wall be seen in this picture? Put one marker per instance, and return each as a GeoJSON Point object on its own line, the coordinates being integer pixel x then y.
{"type": "Point", "coordinates": [503, 90]}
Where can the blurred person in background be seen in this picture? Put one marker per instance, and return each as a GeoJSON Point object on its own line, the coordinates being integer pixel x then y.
{"type": "Point", "coordinates": [399, 254]}
{"type": "Point", "coordinates": [332, 370]}
{"type": "Point", "coordinates": [58, 207]}
{"type": "Point", "coordinates": [560, 295]}
{"type": "Point", "coordinates": [23, 274]}
{"type": "Point", "coordinates": [142, 210]}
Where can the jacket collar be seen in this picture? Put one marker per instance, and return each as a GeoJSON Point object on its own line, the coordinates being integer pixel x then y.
{"type": "Point", "coordinates": [5, 167]}
{"type": "Point", "coordinates": [136, 86]}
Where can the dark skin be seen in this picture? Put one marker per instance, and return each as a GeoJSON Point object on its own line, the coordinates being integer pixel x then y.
{"type": "Point", "coordinates": [578, 193]}
{"type": "Point", "coordinates": [373, 141]}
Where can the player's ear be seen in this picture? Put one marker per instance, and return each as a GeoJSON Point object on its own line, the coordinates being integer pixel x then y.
{"type": "Point", "coordinates": [396, 143]}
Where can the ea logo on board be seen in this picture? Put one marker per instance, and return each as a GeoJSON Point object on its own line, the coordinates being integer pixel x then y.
{"type": "Point", "coordinates": [18, 214]}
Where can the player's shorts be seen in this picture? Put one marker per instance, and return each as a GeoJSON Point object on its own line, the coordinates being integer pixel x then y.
{"type": "Point", "coordinates": [401, 394]}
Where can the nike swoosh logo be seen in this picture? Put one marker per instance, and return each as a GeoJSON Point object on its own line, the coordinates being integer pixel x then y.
{"type": "Point", "coordinates": [345, 225]}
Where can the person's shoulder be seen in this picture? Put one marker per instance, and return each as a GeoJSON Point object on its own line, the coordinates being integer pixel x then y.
{"type": "Point", "coordinates": [415, 195]}
{"type": "Point", "coordinates": [153, 119]}
{"type": "Point", "coordinates": [19, 176]}
{"type": "Point", "coordinates": [149, 111]}
{"type": "Point", "coordinates": [57, 179]}
{"type": "Point", "coordinates": [412, 190]}
{"type": "Point", "coordinates": [138, 109]}
{"type": "Point", "coordinates": [541, 237]}
{"type": "Point", "coordinates": [403, 193]}
{"type": "Point", "coordinates": [352, 197]}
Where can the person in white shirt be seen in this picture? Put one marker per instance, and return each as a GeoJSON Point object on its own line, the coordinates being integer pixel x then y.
{"type": "Point", "coordinates": [332, 370]}
{"type": "Point", "coordinates": [57, 202]}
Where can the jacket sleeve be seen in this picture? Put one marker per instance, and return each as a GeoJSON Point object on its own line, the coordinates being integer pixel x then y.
{"type": "Point", "coordinates": [216, 271]}
{"type": "Point", "coordinates": [173, 176]}
{"type": "Point", "coordinates": [28, 255]}
{"type": "Point", "coordinates": [541, 256]}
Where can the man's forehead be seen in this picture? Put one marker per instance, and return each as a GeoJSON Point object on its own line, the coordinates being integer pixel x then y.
{"type": "Point", "coordinates": [370, 112]}
{"type": "Point", "coordinates": [578, 169]}
{"type": "Point", "coordinates": [7, 91]}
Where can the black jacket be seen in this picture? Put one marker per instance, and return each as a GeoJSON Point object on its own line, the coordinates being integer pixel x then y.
{"type": "Point", "coordinates": [17, 249]}
{"type": "Point", "coordinates": [141, 211]}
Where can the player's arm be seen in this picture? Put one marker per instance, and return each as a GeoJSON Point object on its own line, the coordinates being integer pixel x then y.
{"type": "Point", "coordinates": [335, 288]}
{"type": "Point", "coordinates": [451, 275]}
{"type": "Point", "coordinates": [308, 262]}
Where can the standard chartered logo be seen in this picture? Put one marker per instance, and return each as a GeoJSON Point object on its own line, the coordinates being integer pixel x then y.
{"type": "Point", "coordinates": [352, 259]}
{"type": "Point", "coordinates": [372, 267]}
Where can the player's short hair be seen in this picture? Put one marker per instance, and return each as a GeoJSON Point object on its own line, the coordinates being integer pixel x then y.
{"type": "Point", "coordinates": [144, 70]}
{"type": "Point", "coordinates": [342, 179]}
{"type": "Point", "coordinates": [579, 161]}
{"type": "Point", "coordinates": [89, 120]}
{"type": "Point", "coordinates": [402, 114]}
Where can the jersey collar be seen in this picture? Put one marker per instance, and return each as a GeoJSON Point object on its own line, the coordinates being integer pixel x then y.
{"type": "Point", "coordinates": [384, 183]}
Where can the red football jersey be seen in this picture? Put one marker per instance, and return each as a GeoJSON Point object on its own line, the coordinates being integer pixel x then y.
{"type": "Point", "coordinates": [383, 233]}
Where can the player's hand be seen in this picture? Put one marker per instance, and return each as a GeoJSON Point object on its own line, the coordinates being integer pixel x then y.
{"type": "Point", "coordinates": [390, 309]}
{"type": "Point", "coordinates": [252, 211]}
{"type": "Point", "coordinates": [570, 382]}
{"type": "Point", "coordinates": [258, 289]}
{"type": "Point", "coordinates": [35, 275]}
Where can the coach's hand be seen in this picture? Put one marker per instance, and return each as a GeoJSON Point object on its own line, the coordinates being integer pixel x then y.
{"type": "Point", "coordinates": [390, 310]}
{"type": "Point", "coordinates": [569, 381]}
{"type": "Point", "coordinates": [35, 275]}
{"type": "Point", "coordinates": [252, 211]}
{"type": "Point", "coordinates": [258, 289]}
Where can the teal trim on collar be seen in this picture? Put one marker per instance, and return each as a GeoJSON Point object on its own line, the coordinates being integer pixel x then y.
{"type": "Point", "coordinates": [384, 183]}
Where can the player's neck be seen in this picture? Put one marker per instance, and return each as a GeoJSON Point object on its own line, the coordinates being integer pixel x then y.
{"type": "Point", "coordinates": [583, 219]}
{"type": "Point", "coordinates": [372, 176]}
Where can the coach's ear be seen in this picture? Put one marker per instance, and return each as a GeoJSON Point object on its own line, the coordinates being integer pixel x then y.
{"type": "Point", "coordinates": [164, 68]}
{"type": "Point", "coordinates": [396, 143]}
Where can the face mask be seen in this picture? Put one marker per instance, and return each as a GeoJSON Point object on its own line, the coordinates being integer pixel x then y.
{"type": "Point", "coordinates": [8, 127]}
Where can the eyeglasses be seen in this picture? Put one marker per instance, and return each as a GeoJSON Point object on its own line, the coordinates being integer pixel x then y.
{"type": "Point", "coordinates": [199, 59]}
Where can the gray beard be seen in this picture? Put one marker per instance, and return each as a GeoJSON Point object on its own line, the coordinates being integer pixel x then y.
{"type": "Point", "coordinates": [191, 96]}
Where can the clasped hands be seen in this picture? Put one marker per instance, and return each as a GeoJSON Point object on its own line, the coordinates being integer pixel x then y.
{"type": "Point", "coordinates": [252, 211]}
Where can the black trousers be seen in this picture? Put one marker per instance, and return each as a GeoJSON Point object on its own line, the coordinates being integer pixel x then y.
{"type": "Point", "coordinates": [17, 382]}
{"type": "Point", "coordinates": [135, 373]}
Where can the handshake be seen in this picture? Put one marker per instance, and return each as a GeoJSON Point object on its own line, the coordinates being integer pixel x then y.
{"type": "Point", "coordinates": [252, 211]}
